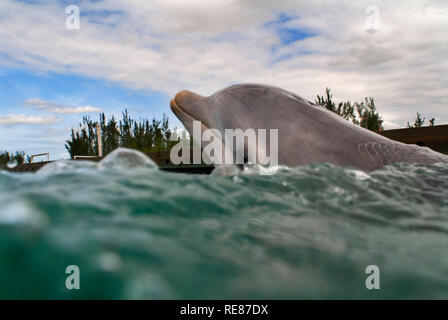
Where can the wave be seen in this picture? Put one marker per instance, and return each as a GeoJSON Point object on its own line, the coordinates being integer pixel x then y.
{"type": "Point", "coordinates": [136, 232]}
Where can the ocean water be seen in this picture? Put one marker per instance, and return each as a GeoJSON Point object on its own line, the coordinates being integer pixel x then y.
{"type": "Point", "coordinates": [136, 232]}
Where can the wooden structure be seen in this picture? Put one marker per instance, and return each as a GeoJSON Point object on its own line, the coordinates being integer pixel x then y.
{"type": "Point", "coordinates": [435, 137]}
{"type": "Point", "coordinates": [40, 155]}
{"type": "Point", "coordinates": [162, 159]}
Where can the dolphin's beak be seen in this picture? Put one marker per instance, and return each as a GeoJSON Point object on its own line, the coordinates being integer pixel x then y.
{"type": "Point", "coordinates": [182, 106]}
{"type": "Point", "coordinates": [174, 107]}
{"type": "Point", "coordinates": [180, 112]}
{"type": "Point", "coordinates": [188, 107]}
{"type": "Point", "coordinates": [184, 101]}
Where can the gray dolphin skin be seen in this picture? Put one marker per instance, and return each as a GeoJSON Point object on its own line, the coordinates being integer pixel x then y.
{"type": "Point", "coordinates": [307, 133]}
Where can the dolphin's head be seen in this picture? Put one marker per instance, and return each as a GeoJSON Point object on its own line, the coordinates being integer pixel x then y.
{"type": "Point", "coordinates": [189, 106]}
{"type": "Point", "coordinates": [221, 111]}
{"type": "Point", "coordinates": [232, 108]}
{"type": "Point", "coordinates": [251, 106]}
{"type": "Point", "coordinates": [239, 107]}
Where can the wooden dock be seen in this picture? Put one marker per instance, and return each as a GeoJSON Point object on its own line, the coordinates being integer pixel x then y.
{"type": "Point", "coordinates": [435, 137]}
{"type": "Point", "coordinates": [162, 159]}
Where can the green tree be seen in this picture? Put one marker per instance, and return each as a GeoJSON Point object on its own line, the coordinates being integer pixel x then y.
{"type": "Point", "coordinates": [82, 140]}
{"type": "Point", "coordinates": [418, 122]}
{"type": "Point", "coordinates": [143, 135]}
{"type": "Point", "coordinates": [367, 115]}
{"type": "Point", "coordinates": [110, 133]}
{"type": "Point", "coordinates": [5, 157]}
{"type": "Point", "coordinates": [344, 109]}
{"type": "Point", "coordinates": [327, 101]}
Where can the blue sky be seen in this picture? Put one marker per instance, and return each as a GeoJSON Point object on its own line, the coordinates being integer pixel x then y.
{"type": "Point", "coordinates": [18, 86]}
{"type": "Point", "coordinates": [287, 34]}
{"type": "Point", "coordinates": [137, 54]}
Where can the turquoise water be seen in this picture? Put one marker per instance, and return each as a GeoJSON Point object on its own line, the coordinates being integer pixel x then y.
{"type": "Point", "coordinates": [139, 233]}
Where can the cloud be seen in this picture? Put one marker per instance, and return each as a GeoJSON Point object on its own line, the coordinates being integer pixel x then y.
{"type": "Point", "coordinates": [15, 119]}
{"type": "Point", "coordinates": [58, 108]}
{"type": "Point", "coordinates": [169, 45]}
{"type": "Point", "coordinates": [391, 125]}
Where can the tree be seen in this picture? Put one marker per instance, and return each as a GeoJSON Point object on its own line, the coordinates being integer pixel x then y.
{"type": "Point", "coordinates": [110, 134]}
{"type": "Point", "coordinates": [327, 102]}
{"type": "Point", "coordinates": [432, 122]}
{"type": "Point", "coordinates": [143, 135]}
{"type": "Point", "coordinates": [6, 157]}
{"type": "Point", "coordinates": [344, 109]}
{"type": "Point", "coordinates": [82, 141]}
{"type": "Point", "coordinates": [418, 122]}
{"type": "Point", "coordinates": [367, 115]}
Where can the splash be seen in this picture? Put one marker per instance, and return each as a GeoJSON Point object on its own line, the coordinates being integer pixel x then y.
{"type": "Point", "coordinates": [126, 158]}
{"type": "Point", "coordinates": [12, 164]}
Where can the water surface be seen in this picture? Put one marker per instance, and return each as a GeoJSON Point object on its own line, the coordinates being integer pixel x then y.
{"type": "Point", "coordinates": [136, 232]}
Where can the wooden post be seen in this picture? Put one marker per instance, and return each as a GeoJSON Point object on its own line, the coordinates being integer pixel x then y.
{"type": "Point", "coordinates": [100, 140]}
{"type": "Point", "coordinates": [40, 155]}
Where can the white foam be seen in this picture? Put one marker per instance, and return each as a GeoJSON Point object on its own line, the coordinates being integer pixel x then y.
{"type": "Point", "coordinates": [64, 166]}
{"type": "Point", "coordinates": [126, 158]}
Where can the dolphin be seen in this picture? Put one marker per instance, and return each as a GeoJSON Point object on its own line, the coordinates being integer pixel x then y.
{"type": "Point", "coordinates": [307, 133]}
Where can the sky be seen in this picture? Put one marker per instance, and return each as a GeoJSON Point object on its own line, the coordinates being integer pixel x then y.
{"type": "Point", "coordinates": [137, 54]}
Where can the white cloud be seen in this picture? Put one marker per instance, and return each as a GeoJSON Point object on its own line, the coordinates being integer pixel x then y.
{"type": "Point", "coordinates": [169, 45]}
{"type": "Point", "coordinates": [14, 119]}
{"type": "Point", "coordinates": [58, 108]}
